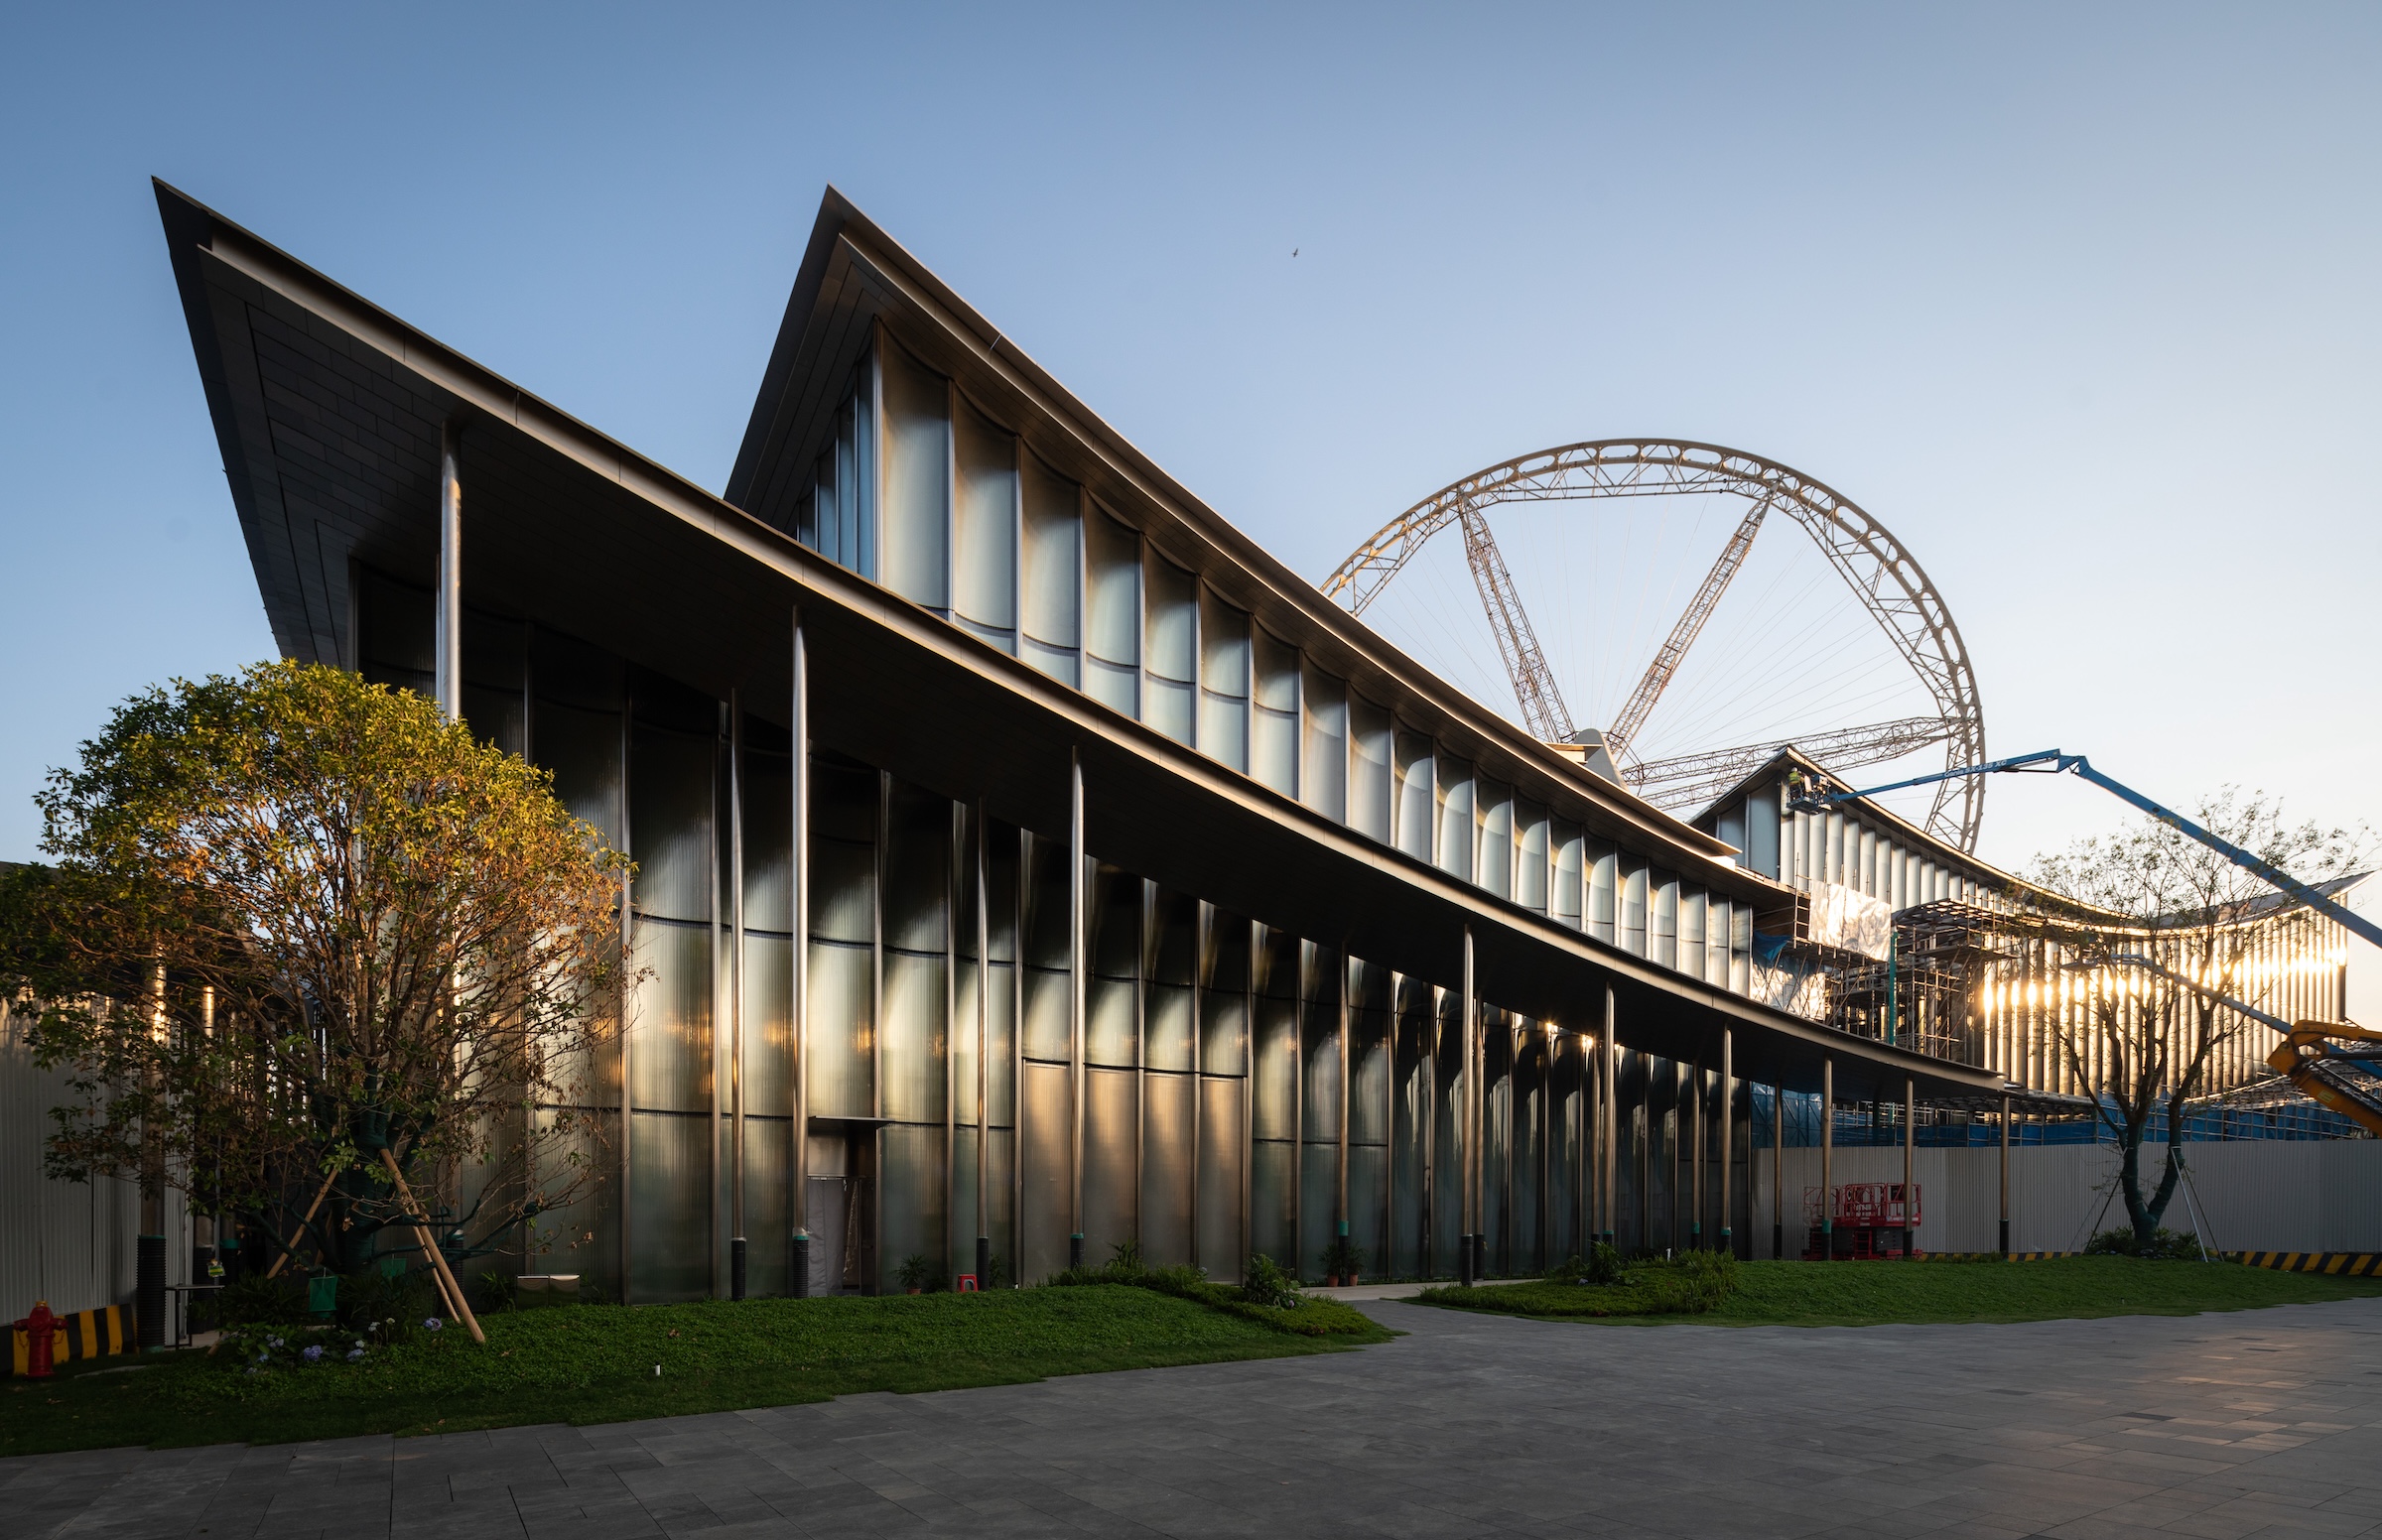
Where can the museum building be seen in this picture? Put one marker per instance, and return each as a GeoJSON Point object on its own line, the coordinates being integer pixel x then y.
{"type": "Point", "coordinates": [1027, 862]}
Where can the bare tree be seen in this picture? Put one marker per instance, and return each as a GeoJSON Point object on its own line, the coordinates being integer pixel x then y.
{"type": "Point", "coordinates": [296, 920]}
{"type": "Point", "coordinates": [2184, 925]}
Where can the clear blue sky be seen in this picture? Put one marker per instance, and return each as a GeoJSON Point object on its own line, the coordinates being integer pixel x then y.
{"type": "Point", "coordinates": [2081, 301]}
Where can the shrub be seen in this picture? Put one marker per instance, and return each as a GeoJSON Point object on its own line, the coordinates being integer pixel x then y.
{"type": "Point", "coordinates": [1604, 1263]}
{"type": "Point", "coordinates": [496, 1291]}
{"type": "Point", "coordinates": [2165, 1245]}
{"type": "Point", "coordinates": [1706, 1280]}
{"type": "Point", "coordinates": [1266, 1284]}
{"type": "Point", "coordinates": [255, 1300]}
{"type": "Point", "coordinates": [387, 1307]}
{"type": "Point", "coordinates": [917, 1271]}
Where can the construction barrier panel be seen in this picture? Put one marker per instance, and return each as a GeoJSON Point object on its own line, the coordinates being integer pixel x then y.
{"type": "Point", "coordinates": [86, 1334]}
{"type": "Point", "coordinates": [2350, 1264]}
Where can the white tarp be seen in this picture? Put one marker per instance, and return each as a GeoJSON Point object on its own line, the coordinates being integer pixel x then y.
{"type": "Point", "coordinates": [1841, 917]}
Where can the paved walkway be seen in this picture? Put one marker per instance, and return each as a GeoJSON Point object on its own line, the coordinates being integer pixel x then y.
{"type": "Point", "coordinates": [2219, 1426]}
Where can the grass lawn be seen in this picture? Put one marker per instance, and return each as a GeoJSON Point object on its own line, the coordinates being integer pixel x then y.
{"type": "Point", "coordinates": [1877, 1293]}
{"type": "Point", "coordinates": [596, 1364]}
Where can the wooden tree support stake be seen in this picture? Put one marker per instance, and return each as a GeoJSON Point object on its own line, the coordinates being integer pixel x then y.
{"type": "Point", "coordinates": [438, 1258]}
{"type": "Point", "coordinates": [321, 1193]}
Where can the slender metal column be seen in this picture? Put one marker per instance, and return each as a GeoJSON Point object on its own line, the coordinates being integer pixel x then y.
{"type": "Point", "coordinates": [874, 1274]}
{"type": "Point", "coordinates": [1305, 974]}
{"type": "Point", "coordinates": [448, 663]}
{"type": "Point", "coordinates": [1695, 1158]}
{"type": "Point", "coordinates": [1910, 1158]}
{"type": "Point", "coordinates": [1023, 898]}
{"type": "Point", "coordinates": [954, 875]}
{"type": "Point", "coordinates": [736, 986]}
{"type": "Point", "coordinates": [2005, 1175]}
{"type": "Point", "coordinates": [799, 1007]}
{"type": "Point", "coordinates": [1584, 1168]}
{"type": "Point", "coordinates": [1827, 1158]}
{"type": "Point", "coordinates": [1611, 1130]}
{"type": "Point", "coordinates": [1340, 1215]}
{"type": "Point", "coordinates": [1075, 952]}
{"type": "Point", "coordinates": [1728, 1122]}
{"type": "Point", "coordinates": [629, 1042]}
{"type": "Point", "coordinates": [1249, 1085]}
{"type": "Point", "coordinates": [1469, 1134]}
{"type": "Point", "coordinates": [1777, 1173]}
{"type": "Point", "coordinates": [983, 1056]}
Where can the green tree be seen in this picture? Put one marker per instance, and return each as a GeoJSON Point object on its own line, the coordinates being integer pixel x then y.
{"type": "Point", "coordinates": [2143, 1038]}
{"type": "Point", "coordinates": [293, 919]}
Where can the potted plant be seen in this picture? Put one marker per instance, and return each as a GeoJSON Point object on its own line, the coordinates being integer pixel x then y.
{"type": "Point", "coordinates": [915, 1273]}
{"type": "Point", "coordinates": [1342, 1262]}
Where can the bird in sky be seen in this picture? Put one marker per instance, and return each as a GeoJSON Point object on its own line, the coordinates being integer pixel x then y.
{"type": "Point", "coordinates": [1295, 251]}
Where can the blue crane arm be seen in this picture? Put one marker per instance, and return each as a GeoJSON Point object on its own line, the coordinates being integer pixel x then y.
{"type": "Point", "coordinates": [2356, 924]}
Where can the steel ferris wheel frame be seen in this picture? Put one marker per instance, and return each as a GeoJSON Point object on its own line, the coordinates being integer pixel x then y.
{"type": "Point", "coordinates": [1879, 569]}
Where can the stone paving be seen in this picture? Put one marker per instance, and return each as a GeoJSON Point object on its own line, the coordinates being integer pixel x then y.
{"type": "Point", "coordinates": [2268, 1423]}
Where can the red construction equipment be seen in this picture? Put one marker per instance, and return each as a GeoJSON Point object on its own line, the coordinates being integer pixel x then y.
{"type": "Point", "coordinates": [1870, 1222]}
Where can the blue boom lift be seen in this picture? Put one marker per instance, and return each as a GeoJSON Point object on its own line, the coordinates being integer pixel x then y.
{"type": "Point", "coordinates": [2344, 1081]}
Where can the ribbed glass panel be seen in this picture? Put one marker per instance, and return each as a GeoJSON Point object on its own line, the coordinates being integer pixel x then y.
{"type": "Point", "coordinates": [1762, 832]}
{"type": "Point", "coordinates": [1110, 1138]}
{"type": "Point", "coordinates": [1604, 885]}
{"type": "Point", "coordinates": [1273, 723]}
{"type": "Point", "coordinates": [768, 1207]}
{"type": "Point", "coordinates": [670, 1206]}
{"type": "Point", "coordinates": [1053, 575]}
{"type": "Point", "coordinates": [1495, 864]}
{"type": "Point", "coordinates": [1221, 1149]}
{"type": "Point", "coordinates": [1413, 1064]}
{"type": "Point", "coordinates": [669, 821]}
{"type": "Point", "coordinates": [1632, 910]}
{"type": "Point", "coordinates": [1692, 932]}
{"type": "Point", "coordinates": [1416, 805]}
{"type": "Point", "coordinates": [842, 983]}
{"type": "Point", "coordinates": [836, 520]}
{"type": "Point", "coordinates": [1223, 681]}
{"type": "Point", "coordinates": [1716, 941]}
{"type": "Point", "coordinates": [1223, 1001]}
{"type": "Point", "coordinates": [1167, 1105]}
{"type": "Point", "coordinates": [1273, 1199]}
{"type": "Point", "coordinates": [913, 1053]}
{"type": "Point", "coordinates": [1323, 754]}
{"type": "Point", "coordinates": [1667, 919]}
{"type": "Point", "coordinates": [917, 870]}
{"type": "Point", "coordinates": [1168, 1028]}
{"type": "Point", "coordinates": [1047, 1141]}
{"type": "Point", "coordinates": [983, 527]}
{"type": "Point", "coordinates": [1371, 779]}
{"type": "Point", "coordinates": [670, 1026]}
{"type": "Point", "coordinates": [1368, 1057]}
{"type": "Point", "coordinates": [1112, 1026]}
{"type": "Point", "coordinates": [1113, 644]}
{"type": "Point", "coordinates": [583, 749]}
{"type": "Point", "coordinates": [768, 841]}
{"type": "Point", "coordinates": [1170, 648]}
{"type": "Point", "coordinates": [1531, 858]}
{"type": "Point", "coordinates": [911, 1169]}
{"type": "Point", "coordinates": [1457, 812]}
{"type": "Point", "coordinates": [1049, 999]}
{"type": "Point", "coordinates": [1319, 1201]}
{"type": "Point", "coordinates": [1569, 873]}
{"type": "Point", "coordinates": [1447, 1150]}
{"type": "Point", "coordinates": [917, 549]}
{"type": "Point", "coordinates": [767, 1023]}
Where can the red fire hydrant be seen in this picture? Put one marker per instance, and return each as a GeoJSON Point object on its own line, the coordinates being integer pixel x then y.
{"type": "Point", "coordinates": [39, 1328]}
